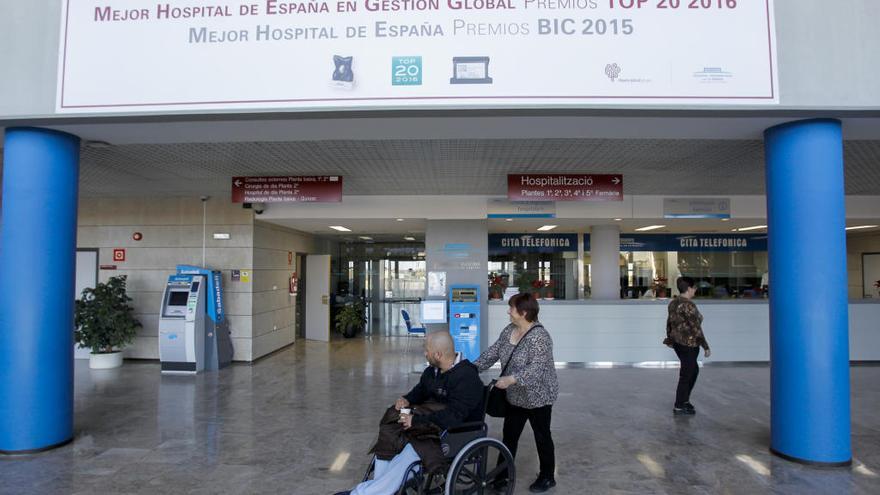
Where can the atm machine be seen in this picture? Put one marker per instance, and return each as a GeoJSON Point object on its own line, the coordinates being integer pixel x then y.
{"type": "Point", "coordinates": [464, 319]}
{"type": "Point", "coordinates": [193, 334]}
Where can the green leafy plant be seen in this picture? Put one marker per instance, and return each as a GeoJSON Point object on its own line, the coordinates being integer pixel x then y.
{"type": "Point", "coordinates": [104, 318]}
{"type": "Point", "coordinates": [351, 318]}
{"type": "Point", "coordinates": [526, 280]}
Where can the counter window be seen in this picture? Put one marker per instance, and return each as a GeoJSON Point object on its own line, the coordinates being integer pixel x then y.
{"type": "Point", "coordinates": [724, 266]}
{"type": "Point", "coordinates": [544, 264]}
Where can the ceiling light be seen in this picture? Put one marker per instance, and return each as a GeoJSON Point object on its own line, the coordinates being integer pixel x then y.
{"type": "Point", "coordinates": [508, 219]}
{"type": "Point", "coordinates": [365, 237]}
{"type": "Point", "coordinates": [650, 227]}
{"type": "Point", "coordinates": [860, 227]}
{"type": "Point", "coordinates": [97, 145]}
{"type": "Point", "coordinates": [725, 219]}
{"type": "Point", "coordinates": [545, 228]}
{"type": "Point", "coordinates": [399, 219]}
{"type": "Point", "coordinates": [753, 227]}
{"type": "Point", "coordinates": [618, 219]}
{"type": "Point", "coordinates": [340, 228]}
{"type": "Point", "coordinates": [409, 238]}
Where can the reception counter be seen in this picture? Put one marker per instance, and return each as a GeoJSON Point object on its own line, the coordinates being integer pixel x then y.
{"type": "Point", "coordinates": [632, 331]}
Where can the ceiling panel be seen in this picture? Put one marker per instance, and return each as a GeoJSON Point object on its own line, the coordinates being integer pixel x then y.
{"type": "Point", "coordinates": [450, 166]}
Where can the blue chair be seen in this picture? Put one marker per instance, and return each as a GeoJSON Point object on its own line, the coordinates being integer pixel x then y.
{"type": "Point", "coordinates": [411, 331]}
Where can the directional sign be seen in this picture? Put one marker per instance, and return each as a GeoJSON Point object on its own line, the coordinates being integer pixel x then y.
{"type": "Point", "coordinates": [287, 189]}
{"type": "Point", "coordinates": [564, 187]}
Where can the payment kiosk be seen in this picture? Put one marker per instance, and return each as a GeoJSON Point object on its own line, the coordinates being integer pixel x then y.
{"type": "Point", "coordinates": [464, 319]}
{"type": "Point", "coordinates": [193, 334]}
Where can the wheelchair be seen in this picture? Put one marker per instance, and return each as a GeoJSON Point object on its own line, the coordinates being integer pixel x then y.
{"type": "Point", "coordinates": [471, 455]}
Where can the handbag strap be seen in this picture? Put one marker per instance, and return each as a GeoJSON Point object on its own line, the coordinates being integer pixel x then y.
{"type": "Point", "coordinates": [517, 345]}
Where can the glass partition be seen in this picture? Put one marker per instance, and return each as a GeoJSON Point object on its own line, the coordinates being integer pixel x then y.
{"type": "Point", "coordinates": [723, 266]}
{"type": "Point", "coordinates": [543, 264]}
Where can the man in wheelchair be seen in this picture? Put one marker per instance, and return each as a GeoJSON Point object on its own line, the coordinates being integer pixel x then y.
{"type": "Point", "coordinates": [449, 394]}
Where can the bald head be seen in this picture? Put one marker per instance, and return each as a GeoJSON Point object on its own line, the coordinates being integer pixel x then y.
{"type": "Point", "coordinates": [440, 342]}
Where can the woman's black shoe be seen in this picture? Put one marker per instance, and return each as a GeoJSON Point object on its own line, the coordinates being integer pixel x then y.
{"type": "Point", "coordinates": [688, 405]}
{"type": "Point", "coordinates": [542, 485]}
{"type": "Point", "coordinates": [683, 411]}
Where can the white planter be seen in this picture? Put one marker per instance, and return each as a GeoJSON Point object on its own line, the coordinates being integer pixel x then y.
{"type": "Point", "coordinates": [105, 361]}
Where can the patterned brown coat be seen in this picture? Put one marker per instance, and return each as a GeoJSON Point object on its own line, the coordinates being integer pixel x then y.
{"type": "Point", "coordinates": [684, 324]}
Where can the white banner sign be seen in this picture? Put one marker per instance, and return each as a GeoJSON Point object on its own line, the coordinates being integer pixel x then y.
{"type": "Point", "coordinates": [149, 55]}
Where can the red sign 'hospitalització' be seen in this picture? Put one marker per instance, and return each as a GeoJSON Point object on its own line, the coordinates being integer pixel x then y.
{"type": "Point", "coordinates": [565, 187]}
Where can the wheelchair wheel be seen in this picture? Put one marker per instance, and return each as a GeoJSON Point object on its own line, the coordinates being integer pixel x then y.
{"type": "Point", "coordinates": [418, 483]}
{"type": "Point", "coordinates": [481, 465]}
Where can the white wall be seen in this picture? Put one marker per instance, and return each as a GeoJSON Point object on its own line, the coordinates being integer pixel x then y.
{"type": "Point", "coordinates": [260, 312]}
{"type": "Point", "coordinates": [633, 331]}
{"type": "Point", "coordinates": [172, 235]}
{"type": "Point", "coordinates": [856, 245]}
{"type": "Point", "coordinates": [275, 250]}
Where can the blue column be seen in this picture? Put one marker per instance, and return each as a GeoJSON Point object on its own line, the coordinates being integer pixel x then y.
{"type": "Point", "coordinates": [37, 272]}
{"type": "Point", "coordinates": [809, 342]}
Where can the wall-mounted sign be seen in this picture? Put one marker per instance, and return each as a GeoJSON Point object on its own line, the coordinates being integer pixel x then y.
{"type": "Point", "coordinates": [502, 208]}
{"type": "Point", "coordinates": [107, 267]}
{"type": "Point", "coordinates": [689, 242]}
{"type": "Point", "coordinates": [436, 284]}
{"type": "Point", "coordinates": [564, 187]}
{"type": "Point", "coordinates": [236, 275]}
{"type": "Point", "coordinates": [119, 255]}
{"type": "Point", "coordinates": [500, 244]}
{"type": "Point", "coordinates": [222, 236]}
{"type": "Point", "coordinates": [696, 207]}
{"type": "Point", "coordinates": [374, 54]}
{"type": "Point", "coordinates": [287, 189]}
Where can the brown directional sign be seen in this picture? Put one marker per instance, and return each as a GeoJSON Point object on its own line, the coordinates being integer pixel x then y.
{"type": "Point", "coordinates": [287, 189]}
{"type": "Point", "coordinates": [565, 187]}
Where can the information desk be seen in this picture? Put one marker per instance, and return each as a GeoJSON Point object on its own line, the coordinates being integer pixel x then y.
{"type": "Point", "coordinates": [632, 331]}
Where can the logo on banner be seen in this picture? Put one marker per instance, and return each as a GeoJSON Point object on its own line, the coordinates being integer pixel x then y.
{"type": "Point", "coordinates": [470, 70]}
{"type": "Point", "coordinates": [343, 76]}
{"type": "Point", "coordinates": [612, 71]}
{"type": "Point", "coordinates": [406, 71]}
{"type": "Point", "coordinates": [713, 75]}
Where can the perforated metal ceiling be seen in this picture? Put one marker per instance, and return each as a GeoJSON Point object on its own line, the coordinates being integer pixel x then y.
{"type": "Point", "coordinates": [460, 166]}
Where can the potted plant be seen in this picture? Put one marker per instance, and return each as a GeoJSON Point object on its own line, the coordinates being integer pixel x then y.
{"type": "Point", "coordinates": [525, 280]}
{"type": "Point", "coordinates": [660, 287]}
{"type": "Point", "coordinates": [351, 319]}
{"type": "Point", "coordinates": [496, 287]}
{"type": "Point", "coordinates": [104, 322]}
{"type": "Point", "coordinates": [549, 290]}
{"type": "Point", "coordinates": [537, 286]}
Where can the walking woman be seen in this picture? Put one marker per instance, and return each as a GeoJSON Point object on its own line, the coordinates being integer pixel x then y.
{"type": "Point", "coordinates": [684, 333]}
{"type": "Point", "coordinates": [525, 350]}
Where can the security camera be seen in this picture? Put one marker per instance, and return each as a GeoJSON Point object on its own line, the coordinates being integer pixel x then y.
{"type": "Point", "coordinates": [259, 208]}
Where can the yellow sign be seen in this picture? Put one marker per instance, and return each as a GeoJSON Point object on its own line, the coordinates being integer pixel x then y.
{"type": "Point", "coordinates": [245, 276]}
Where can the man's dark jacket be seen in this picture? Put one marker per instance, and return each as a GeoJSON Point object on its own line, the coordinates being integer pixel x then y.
{"type": "Point", "coordinates": [447, 399]}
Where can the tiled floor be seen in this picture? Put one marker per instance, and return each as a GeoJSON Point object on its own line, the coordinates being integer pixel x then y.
{"type": "Point", "coordinates": [302, 420]}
